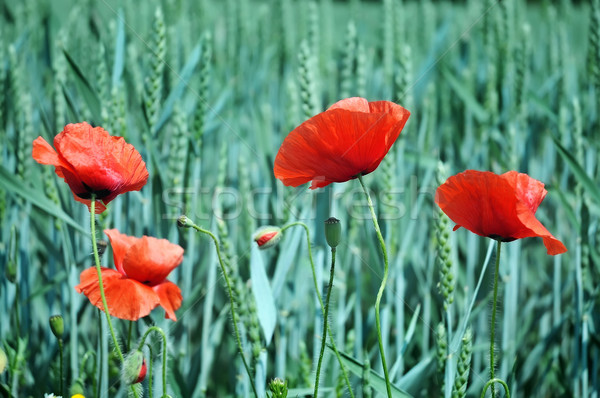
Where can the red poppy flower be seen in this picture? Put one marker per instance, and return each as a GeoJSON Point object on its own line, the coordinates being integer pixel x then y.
{"type": "Point", "coordinates": [500, 207]}
{"type": "Point", "coordinates": [350, 138]}
{"type": "Point", "coordinates": [93, 162]}
{"type": "Point", "coordinates": [139, 284]}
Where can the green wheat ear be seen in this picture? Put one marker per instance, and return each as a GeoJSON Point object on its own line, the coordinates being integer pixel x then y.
{"type": "Point", "coordinates": [444, 258]}
{"type": "Point", "coordinates": [178, 147]}
{"type": "Point", "coordinates": [367, 390]}
{"type": "Point", "coordinates": [441, 355]}
{"type": "Point", "coordinates": [348, 62]}
{"type": "Point", "coordinates": [463, 366]}
{"type": "Point", "coordinates": [307, 76]}
{"type": "Point", "coordinates": [593, 56]}
{"type": "Point", "coordinates": [153, 87]}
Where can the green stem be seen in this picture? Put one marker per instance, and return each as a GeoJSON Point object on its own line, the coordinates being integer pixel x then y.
{"type": "Point", "coordinates": [325, 322]}
{"type": "Point", "coordinates": [314, 274]}
{"type": "Point", "coordinates": [381, 288]}
{"type": "Point", "coordinates": [99, 271]}
{"type": "Point", "coordinates": [491, 384]}
{"type": "Point", "coordinates": [493, 324]}
{"type": "Point", "coordinates": [62, 383]}
{"type": "Point", "coordinates": [164, 352]}
{"type": "Point", "coordinates": [231, 302]}
{"type": "Point", "coordinates": [150, 362]}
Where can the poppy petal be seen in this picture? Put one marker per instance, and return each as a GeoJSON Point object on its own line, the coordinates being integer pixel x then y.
{"type": "Point", "coordinates": [120, 244]}
{"type": "Point", "coordinates": [354, 104]}
{"type": "Point", "coordinates": [107, 165]}
{"type": "Point", "coordinates": [497, 206]}
{"type": "Point", "coordinates": [126, 298]}
{"type": "Point", "coordinates": [351, 138]}
{"type": "Point", "coordinates": [170, 298]}
{"type": "Point", "coordinates": [150, 260]}
{"type": "Point", "coordinates": [43, 153]}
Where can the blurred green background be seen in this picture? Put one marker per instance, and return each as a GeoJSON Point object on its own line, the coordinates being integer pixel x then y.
{"type": "Point", "coordinates": [207, 90]}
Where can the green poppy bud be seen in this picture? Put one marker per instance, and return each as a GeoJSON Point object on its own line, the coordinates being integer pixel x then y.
{"type": "Point", "coordinates": [134, 368]}
{"type": "Point", "coordinates": [333, 232]}
{"type": "Point", "coordinates": [184, 222]}
{"type": "Point", "coordinates": [57, 325]}
{"type": "Point", "coordinates": [77, 389]}
{"type": "Point", "coordinates": [267, 236]}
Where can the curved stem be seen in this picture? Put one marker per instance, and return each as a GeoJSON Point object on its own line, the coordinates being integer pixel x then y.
{"type": "Point", "coordinates": [491, 384]}
{"type": "Point", "coordinates": [493, 323]}
{"type": "Point", "coordinates": [314, 274]}
{"type": "Point", "coordinates": [382, 287]}
{"type": "Point", "coordinates": [99, 271]}
{"type": "Point", "coordinates": [325, 321]}
{"type": "Point", "coordinates": [164, 353]}
{"type": "Point", "coordinates": [150, 392]}
{"type": "Point", "coordinates": [231, 302]}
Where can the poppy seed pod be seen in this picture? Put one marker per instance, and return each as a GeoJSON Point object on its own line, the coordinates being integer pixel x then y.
{"type": "Point", "coordinates": [267, 236]}
{"type": "Point", "coordinates": [333, 232]}
{"type": "Point", "coordinates": [134, 368]}
{"type": "Point", "coordinates": [57, 325]}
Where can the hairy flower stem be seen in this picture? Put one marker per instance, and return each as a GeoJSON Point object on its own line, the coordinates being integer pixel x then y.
{"type": "Point", "coordinates": [101, 285]}
{"type": "Point", "coordinates": [164, 352]}
{"type": "Point", "coordinates": [231, 302]}
{"type": "Point", "coordinates": [381, 288]}
{"type": "Point", "coordinates": [491, 383]}
{"type": "Point", "coordinates": [493, 324]}
{"type": "Point", "coordinates": [62, 382]}
{"type": "Point", "coordinates": [325, 322]}
{"type": "Point", "coordinates": [331, 339]}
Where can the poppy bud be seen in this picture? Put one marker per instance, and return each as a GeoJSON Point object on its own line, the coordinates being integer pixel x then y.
{"type": "Point", "coordinates": [134, 368]}
{"type": "Point", "coordinates": [333, 232]}
{"type": "Point", "coordinates": [57, 326]}
{"type": "Point", "coordinates": [184, 222]}
{"type": "Point", "coordinates": [3, 361]}
{"type": "Point", "coordinates": [76, 390]}
{"type": "Point", "coordinates": [267, 236]}
{"type": "Point", "coordinates": [278, 387]}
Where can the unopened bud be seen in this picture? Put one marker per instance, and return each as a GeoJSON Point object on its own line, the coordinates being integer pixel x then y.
{"type": "Point", "coordinates": [57, 325]}
{"type": "Point", "coordinates": [184, 222]}
{"type": "Point", "coordinates": [76, 390]}
{"type": "Point", "coordinates": [279, 388]}
{"type": "Point", "coordinates": [134, 368]}
{"type": "Point", "coordinates": [333, 232]}
{"type": "Point", "coordinates": [267, 236]}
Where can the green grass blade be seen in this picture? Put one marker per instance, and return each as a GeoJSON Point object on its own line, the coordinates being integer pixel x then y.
{"type": "Point", "coordinates": [11, 184]}
{"type": "Point", "coordinates": [582, 177]}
